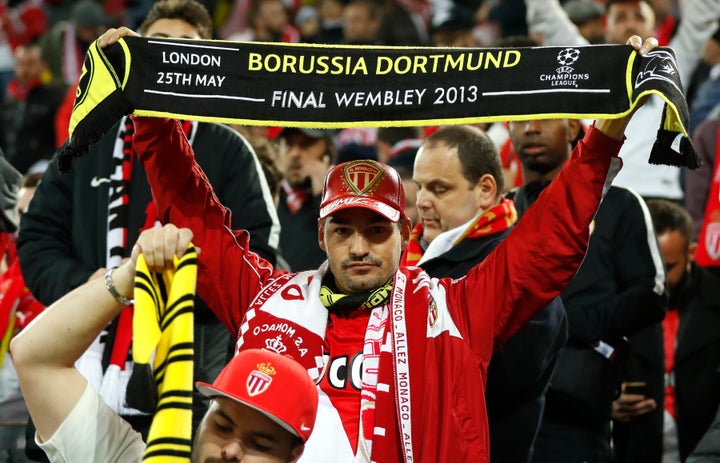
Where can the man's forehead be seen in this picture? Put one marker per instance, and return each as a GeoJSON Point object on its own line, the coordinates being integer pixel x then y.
{"type": "Point", "coordinates": [356, 214]}
{"type": "Point", "coordinates": [172, 28]}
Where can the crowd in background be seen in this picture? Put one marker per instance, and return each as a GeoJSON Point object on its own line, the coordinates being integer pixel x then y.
{"type": "Point", "coordinates": [42, 46]}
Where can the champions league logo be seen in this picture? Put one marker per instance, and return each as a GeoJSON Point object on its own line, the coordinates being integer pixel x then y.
{"type": "Point", "coordinates": [566, 58]}
{"type": "Point", "coordinates": [565, 75]}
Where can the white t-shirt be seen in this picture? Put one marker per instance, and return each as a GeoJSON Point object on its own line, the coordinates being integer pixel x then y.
{"type": "Point", "coordinates": [92, 432]}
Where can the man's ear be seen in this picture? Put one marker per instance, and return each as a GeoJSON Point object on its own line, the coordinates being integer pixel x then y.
{"type": "Point", "coordinates": [486, 191]}
{"type": "Point", "coordinates": [692, 249]}
{"type": "Point", "coordinates": [573, 129]}
{"type": "Point", "coordinates": [321, 234]}
{"type": "Point", "coordinates": [405, 230]}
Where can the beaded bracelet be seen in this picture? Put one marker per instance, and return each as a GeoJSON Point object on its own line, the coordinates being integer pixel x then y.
{"type": "Point", "coordinates": [110, 286]}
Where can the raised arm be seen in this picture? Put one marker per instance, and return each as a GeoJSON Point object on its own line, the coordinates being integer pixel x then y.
{"type": "Point", "coordinates": [45, 352]}
{"type": "Point", "coordinates": [545, 249]}
{"type": "Point", "coordinates": [230, 274]}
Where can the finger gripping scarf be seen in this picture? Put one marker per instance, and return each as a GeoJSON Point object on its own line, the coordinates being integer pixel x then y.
{"type": "Point", "coordinates": [302, 85]}
{"type": "Point", "coordinates": [163, 324]}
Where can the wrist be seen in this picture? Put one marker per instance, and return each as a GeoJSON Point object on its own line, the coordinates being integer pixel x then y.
{"type": "Point", "coordinates": [120, 285]}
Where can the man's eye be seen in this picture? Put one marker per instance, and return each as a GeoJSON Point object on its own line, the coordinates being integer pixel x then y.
{"type": "Point", "coordinates": [258, 446]}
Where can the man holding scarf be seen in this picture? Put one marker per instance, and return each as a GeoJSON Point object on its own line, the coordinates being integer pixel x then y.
{"type": "Point", "coordinates": [83, 223]}
{"type": "Point", "coordinates": [463, 217]}
{"type": "Point", "coordinates": [398, 356]}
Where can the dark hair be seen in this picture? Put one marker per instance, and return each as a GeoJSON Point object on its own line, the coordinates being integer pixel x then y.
{"type": "Point", "coordinates": [516, 41]}
{"type": "Point", "coordinates": [392, 135]}
{"type": "Point", "coordinates": [476, 152]}
{"type": "Point", "coordinates": [190, 11]}
{"type": "Point", "coordinates": [266, 153]}
{"type": "Point", "coordinates": [668, 216]}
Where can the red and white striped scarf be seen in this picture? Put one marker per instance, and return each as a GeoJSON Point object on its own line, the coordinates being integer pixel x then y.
{"type": "Point", "coordinates": [112, 383]}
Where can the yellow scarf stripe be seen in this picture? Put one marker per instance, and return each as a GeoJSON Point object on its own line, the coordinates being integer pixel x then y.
{"type": "Point", "coordinates": [163, 324]}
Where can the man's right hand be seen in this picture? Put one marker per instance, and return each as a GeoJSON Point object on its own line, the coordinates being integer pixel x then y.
{"type": "Point", "coordinates": [112, 35]}
{"type": "Point", "coordinates": [629, 407]}
{"type": "Point", "coordinates": [615, 128]}
{"type": "Point", "coordinates": [160, 245]}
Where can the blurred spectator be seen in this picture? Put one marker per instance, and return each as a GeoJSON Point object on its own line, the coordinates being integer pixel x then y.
{"type": "Point", "coordinates": [451, 25]}
{"type": "Point", "coordinates": [703, 189]}
{"type": "Point", "coordinates": [699, 181]}
{"type": "Point", "coordinates": [509, 15]}
{"type": "Point", "coordinates": [305, 157]}
{"type": "Point", "coordinates": [130, 13]}
{"type": "Point", "coordinates": [677, 360]}
{"type": "Point", "coordinates": [20, 23]}
{"type": "Point", "coordinates": [389, 140]}
{"type": "Point", "coordinates": [307, 21]}
{"type": "Point", "coordinates": [665, 11]}
{"type": "Point", "coordinates": [361, 22]}
{"type": "Point", "coordinates": [706, 81]}
{"type": "Point", "coordinates": [355, 143]}
{"type": "Point", "coordinates": [402, 158]}
{"type": "Point", "coordinates": [401, 27]}
{"type": "Point", "coordinates": [331, 20]}
{"type": "Point", "coordinates": [28, 130]}
{"type": "Point", "coordinates": [268, 21]}
{"type": "Point", "coordinates": [65, 45]}
{"type": "Point", "coordinates": [588, 16]}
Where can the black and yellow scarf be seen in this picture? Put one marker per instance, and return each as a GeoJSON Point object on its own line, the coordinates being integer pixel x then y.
{"type": "Point", "coordinates": [341, 301]}
{"type": "Point", "coordinates": [163, 325]}
{"type": "Point", "coordinates": [302, 85]}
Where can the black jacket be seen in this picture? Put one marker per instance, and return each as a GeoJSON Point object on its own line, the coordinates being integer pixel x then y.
{"type": "Point", "coordinates": [618, 290]}
{"type": "Point", "coordinates": [28, 130]}
{"type": "Point", "coordinates": [696, 375]}
{"type": "Point", "coordinates": [299, 234]}
{"type": "Point", "coordinates": [520, 369]}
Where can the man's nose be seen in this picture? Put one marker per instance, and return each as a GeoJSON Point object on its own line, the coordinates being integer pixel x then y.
{"type": "Point", "coordinates": [422, 200]}
{"type": "Point", "coordinates": [359, 245]}
{"type": "Point", "coordinates": [531, 126]}
{"type": "Point", "coordinates": [233, 451]}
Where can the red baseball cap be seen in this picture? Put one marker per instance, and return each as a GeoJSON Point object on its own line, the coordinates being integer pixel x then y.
{"type": "Point", "coordinates": [275, 385]}
{"type": "Point", "coordinates": [367, 184]}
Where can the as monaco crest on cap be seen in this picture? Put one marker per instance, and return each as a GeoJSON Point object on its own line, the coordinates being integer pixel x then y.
{"type": "Point", "coordinates": [366, 184]}
{"type": "Point", "coordinates": [259, 380]}
{"type": "Point", "coordinates": [362, 176]}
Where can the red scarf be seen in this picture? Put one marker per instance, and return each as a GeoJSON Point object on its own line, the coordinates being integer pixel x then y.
{"type": "Point", "coordinates": [670, 324]}
{"type": "Point", "coordinates": [18, 91]}
{"type": "Point", "coordinates": [18, 307]}
{"type": "Point", "coordinates": [295, 198]}
{"type": "Point", "coordinates": [494, 220]}
{"type": "Point", "coordinates": [708, 250]}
